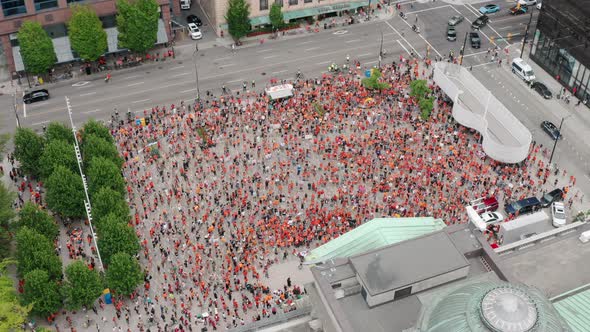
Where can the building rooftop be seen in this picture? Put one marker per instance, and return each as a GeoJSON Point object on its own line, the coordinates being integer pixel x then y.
{"type": "Point", "coordinates": [390, 267]}
{"type": "Point", "coordinates": [575, 309]}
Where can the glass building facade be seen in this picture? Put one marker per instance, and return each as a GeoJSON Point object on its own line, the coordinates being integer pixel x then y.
{"type": "Point", "coordinates": [561, 44]}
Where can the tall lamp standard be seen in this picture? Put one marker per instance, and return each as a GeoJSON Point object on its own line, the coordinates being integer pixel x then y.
{"type": "Point", "coordinates": [381, 50]}
{"type": "Point", "coordinates": [555, 143]}
{"type": "Point", "coordinates": [196, 71]}
{"type": "Point", "coordinates": [526, 32]}
{"type": "Point", "coordinates": [463, 49]}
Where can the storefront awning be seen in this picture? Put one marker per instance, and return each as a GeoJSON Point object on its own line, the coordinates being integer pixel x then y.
{"type": "Point", "coordinates": [294, 14]}
{"type": "Point", "coordinates": [260, 20]}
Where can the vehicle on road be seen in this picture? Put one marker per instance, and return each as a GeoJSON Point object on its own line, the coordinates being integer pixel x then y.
{"type": "Point", "coordinates": [523, 70]}
{"type": "Point", "coordinates": [451, 33]}
{"type": "Point", "coordinates": [194, 19]}
{"type": "Point", "coordinates": [455, 20]}
{"type": "Point", "coordinates": [489, 9]}
{"type": "Point", "coordinates": [34, 96]}
{"type": "Point", "coordinates": [555, 195]}
{"type": "Point", "coordinates": [492, 217]}
{"type": "Point", "coordinates": [518, 10]}
{"type": "Point", "coordinates": [194, 31]}
{"type": "Point", "coordinates": [474, 39]}
{"type": "Point", "coordinates": [539, 5]}
{"type": "Point", "coordinates": [542, 89]}
{"type": "Point", "coordinates": [480, 22]}
{"type": "Point", "coordinates": [185, 4]}
{"type": "Point", "coordinates": [558, 214]}
{"type": "Point", "coordinates": [522, 206]}
{"type": "Point", "coordinates": [551, 129]}
{"type": "Point", "coordinates": [527, 2]}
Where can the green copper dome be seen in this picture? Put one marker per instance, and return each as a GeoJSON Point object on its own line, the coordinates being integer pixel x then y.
{"type": "Point", "coordinates": [493, 307]}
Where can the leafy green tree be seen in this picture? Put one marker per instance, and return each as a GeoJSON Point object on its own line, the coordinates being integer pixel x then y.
{"type": "Point", "coordinates": [373, 83]}
{"type": "Point", "coordinates": [419, 89]}
{"type": "Point", "coordinates": [36, 48]}
{"type": "Point", "coordinates": [35, 251]}
{"type": "Point", "coordinates": [124, 273]}
{"type": "Point", "coordinates": [93, 127]}
{"type": "Point", "coordinates": [95, 146]}
{"type": "Point", "coordinates": [57, 153]}
{"type": "Point", "coordinates": [12, 313]}
{"type": "Point", "coordinates": [42, 293]}
{"type": "Point", "coordinates": [65, 193]}
{"type": "Point", "coordinates": [6, 216]}
{"type": "Point", "coordinates": [82, 286]}
{"type": "Point", "coordinates": [107, 201]}
{"type": "Point", "coordinates": [28, 147]}
{"type": "Point", "coordinates": [137, 23]}
{"type": "Point", "coordinates": [238, 18]}
{"type": "Point", "coordinates": [104, 173]}
{"type": "Point", "coordinates": [87, 36]}
{"type": "Point", "coordinates": [33, 217]}
{"type": "Point", "coordinates": [276, 16]}
{"type": "Point", "coordinates": [115, 237]}
{"type": "Point", "coordinates": [58, 131]}
{"type": "Point", "coordinates": [426, 107]}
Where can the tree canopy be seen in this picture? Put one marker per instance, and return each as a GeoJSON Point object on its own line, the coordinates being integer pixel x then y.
{"type": "Point", "coordinates": [373, 82]}
{"type": "Point", "coordinates": [87, 36]}
{"type": "Point", "coordinates": [57, 153]}
{"type": "Point", "coordinates": [42, 292]}
{"type": "Point", "coordinates": [115, 237]}
{"type": "Point", "coordinates": [65, 193]}
{"type": "Point", "coordinates": [107, 201]}
{"type": "Point", "coordinates": [137, 23]}
{"type": "Point", "coordinates": [33, 217]}
{"type": "Point", "coordinates": [93, 127]}
{"type": "Point", "coordinates": [421, 91]}
{"type": "Point", "coordinates": [12, 313]}
{"type": "Point", "coordinates": [124, 273]}
{"type": "Point", "coordinates": [95, 146]}
{"type": "Point", "coordinates": [36, 48]}
{"type": "Point", "coordinates": [276, 16]}
{"type": "Point", "coordinates": [238, 18]}
{"type": "Point", "coordinates": [28, 147]}
{"type": "Point", "coordinates": [103, 172]}
{"type": "Point", "coordinates": [82, 286]}
{"type": "Point", "coordinates": [58, 131]}
{"type": "Point", "coordinates": [35, 251]}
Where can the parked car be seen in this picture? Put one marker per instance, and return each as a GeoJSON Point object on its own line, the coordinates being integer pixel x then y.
{"type": "Point", "coordinates": [489, 9]}
{"type": "Point", "coordinates": [37, 95]}
{"type": "Point", "coordinates": [558, 214]}
{"type": "Point", "coordinates": [194, 19]}
{"type": "Point", "coordinates": [551, 129]}
{"type": "Point", "coordinates": [480, 22]}
{"type": "Point", "coordinates": [539, 5]}
{"type": "Point", "coordinates": [522, 206]}
{"type": "Point", "coordinates": [518, 10]}
{"type": "Point", "coordinates": [451, 33]}
{"type": "Point", "coordinates": [555, 195]}
{"type": "Point", "coordinates": [484, 204]}
{"type": "Point", "coordinates": [492, 217]}
{"type": "Point", "coordinates": [527, 2]}
{"type": "Point", "coordinates": [474, 39]}
{"type": "Point", "coordinates": [542, 89]}
{"type": "Point", "coordinates": [455, 20]}
{"type": "Point", "coordinates": [194, 31]}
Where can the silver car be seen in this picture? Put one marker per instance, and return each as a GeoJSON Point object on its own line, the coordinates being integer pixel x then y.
{"type": "Point", "coordinates": [455, 20]}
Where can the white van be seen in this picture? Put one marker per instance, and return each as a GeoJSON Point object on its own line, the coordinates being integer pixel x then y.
{"type": "Point", "coordinates": [523, 70]}
{"type": "Point", "coordinates": [185, 4]}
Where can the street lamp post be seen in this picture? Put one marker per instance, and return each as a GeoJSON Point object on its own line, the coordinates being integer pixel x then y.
{"type": "Point", "coordinates": [526, 32]}
{"type": "Point", "coordinates": [196, 72]}
{"type": "Point", "coordinates": [381, 50]}
{"type": "Point", "coordinates": [555, 143]}
{"type": "Point", "coordinates": [16, 112]}
{"type": "Point", "coordinates": [463, 49]}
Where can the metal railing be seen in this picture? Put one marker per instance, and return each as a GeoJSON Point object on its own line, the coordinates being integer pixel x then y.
{"type": "Point", "coordinates": [280, 317]}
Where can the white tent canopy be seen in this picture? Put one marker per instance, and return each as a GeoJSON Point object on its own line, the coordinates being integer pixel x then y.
{"type": "Point", "coordinates": [280, 91]}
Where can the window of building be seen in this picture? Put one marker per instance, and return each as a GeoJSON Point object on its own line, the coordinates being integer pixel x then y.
{"type": "Point", "coordinates": [56, 30]}
{"type": "Point", "coordinates": [401, 293]}
{"type": "Point", "coordinates": [263, 4]}
{"type": "Point", "coordinates": [307, 1]}
{"type": "Point", "coordinates": [45, 4]}
{"type": "Point", "coordinates": [13, 39]}
{"type": "Point", "coordinates": [73, 1]}
{"type": "Point", "coordinates": [109, 21]}
{"type": "Point", "coordinates": [279, 2]}
{"type": "Point", "coordinates": [13, 7]}
{"type": "Point", "coordinates": [292, 2]}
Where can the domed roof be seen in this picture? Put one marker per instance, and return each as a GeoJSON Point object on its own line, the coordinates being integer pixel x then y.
{"type": "Point", "coordinates": [493, 307]}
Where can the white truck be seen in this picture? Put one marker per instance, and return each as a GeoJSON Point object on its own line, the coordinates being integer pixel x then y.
{"type": "Point", "coordinates": [185, 4]}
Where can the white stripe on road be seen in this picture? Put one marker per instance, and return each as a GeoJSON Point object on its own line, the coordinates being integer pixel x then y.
{"type": "Point", "coordinates": [87, 94]}
{"type": "Point", "coordinates": [133, 84]}
{"type": "Point", "coordinates": [93, 111]}
{"type": "Point", "coordinates": [311, 49]}
{"type": "Point", "coordinates": [177, 67]}
{"type": "Point", "coordinates": [402, 45]}
{"type": "Point", "coordinates": [129, 77]}
{"type": "Point", "coordinates": [24, 107]}
{"type": "Point", "coordinates": [234, 81]}
{"type": "Point", "coordinates": [228, 65]}
{"type": "Point", "coordinates": [183, 74]}
{"type": "Point", "coordinates": [370, 62]}
{"type": "Point", "coordinates": [427, 42]}
{"type": "Point", "coordinates": [324, 62]}
{"type": "Point", "coordinates": [189, 90]}
{"type": "Point", "coordinates": [402, 37]}
{"type": "Point", "coordinates": [505, 28]}
{"type": "Point", "coordinates": [485, 64]}
{"type": "Point", "coordinates": [473, 54]}
{"type": "Point", "coordinates": [270, 56]}
{"type": "Point", "coordinates": [352, 41]}
{"type": "Point", "coordinates": [264, 50]}
{"type": "Point", "coordinates": [140, 101]}
{"type": "Point", "coordinates": [280, 71]}
{"type": "Point", "coordinates": [307, 42]}
{"type": "Point", "coordinates": [364, 54]}
{"type": "Point", "coordinates": [40, 123]}
{"type": "Point", "coordinates": [427, 9]}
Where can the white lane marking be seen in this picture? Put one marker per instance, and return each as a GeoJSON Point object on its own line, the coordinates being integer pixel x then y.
{"type": "Point", "coordinates": [40, 123]}
{"type": "Point", "coordinates": [369, 62]}
{"type": "Point", "coordinates": [364, 54]}
{"type": "Point", "coordinates": [307, 42]}
{"type": "Point", "coordinates": [352, 41]}
{"type": "Point", "coordinates": [24, 106]}
{"type": "Point", "coordinates": [140, 101]}
{"type": "Point", "coordinates": [134, 84]}
{"type": "Point", "coordinates": [311, 49]}
{"type": "Point", "coordinates": [505, 28]}
{"type": "Point", "coordinates": [402, 45]}
{"type": "Point", "coordinates": [473, 54]}
{"type": "Point", "coordinates": [485, 64]}
{"type": "Point", "coordinates": [280, 71]}
{"type": "Point", "coordinates": [270, 56]}
{"type": "Point", "coordinates": [228, 65]}
{"type": "Point", "coordinates": [427, 9]}
{"type": "Point", "coordinates": [87, 94]}
{"type": "Point", "coordinates": [424, 39]}
{"type": "Point", "coordinates": [129, 77]}
{"type": "Point", "coordinates": [183, 74]}
{"type": "Point", "coordinates": [234, 81]}
{"type": "Point", "coordinates": [402, 37]}
{"type": "Point", "coordinates": [93, 111]}
{"type": "Point", "coordinates": [264, 50]}
{"type": "Point", "coordinates": [472, 10]}
{"type": "Point", "coordinates": [80, 84]}
{"type": "Point", "coordinates": [189, 90]}
{"type": "Point", "coordinates": [324, 62]}
{"type": "Point", "coordinates": [177, 67]}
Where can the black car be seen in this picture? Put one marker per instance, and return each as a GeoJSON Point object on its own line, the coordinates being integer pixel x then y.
{"type": "Point", "coordinates": [194, 19]}
{"type": "Point", "coordinates": [554, 195]}
{"type": "Point", "coordinates": [526, 205]}
{"type": "Point", "coordinates": [542, 89]}
{"type": "Point", "coordinates": [36, 95]}
{"type": "Point", "coordinates": [474, 39]}
{"type": "Point", "coordinates": [480, 22]}
{"type": "Point", "coordinates": [551, 129]}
